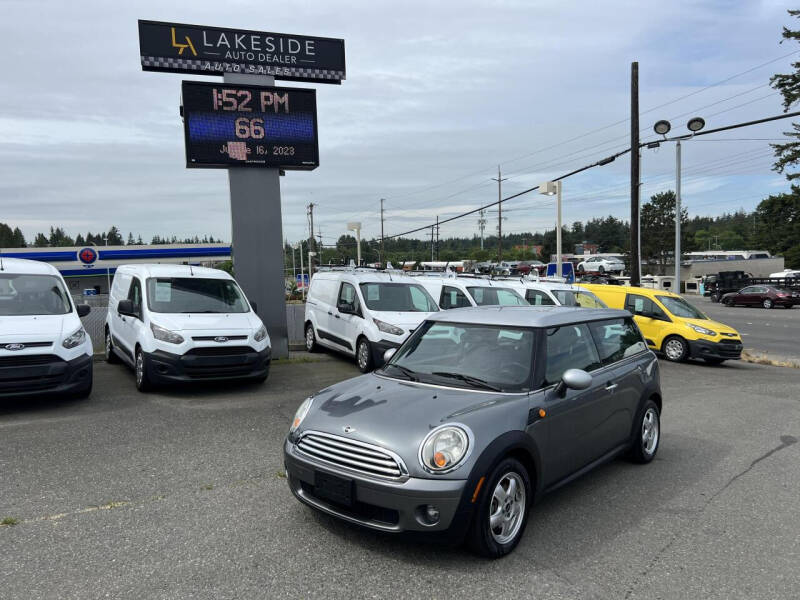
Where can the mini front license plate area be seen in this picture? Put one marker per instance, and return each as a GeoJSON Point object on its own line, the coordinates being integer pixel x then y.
{"type": "Point", "coordinates": [333, 488]}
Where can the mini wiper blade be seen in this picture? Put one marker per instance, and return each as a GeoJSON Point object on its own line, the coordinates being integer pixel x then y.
{"type": "Point", "coordinates": [412, 375]}
{"type": "Point", "coordinates": [474, 381]}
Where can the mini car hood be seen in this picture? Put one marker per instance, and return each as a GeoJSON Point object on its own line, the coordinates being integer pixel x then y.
{"type": "Point", "coordinates": [397, 414]}
{"type": "Point", "coordinates": [712, 325]}
{"type": "Point", "coordinates": [37, 328]}
{"type": "Point", "coordinates": [222, 322]}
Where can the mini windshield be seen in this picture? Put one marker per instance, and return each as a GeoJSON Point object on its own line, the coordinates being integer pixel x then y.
{"type": "Point", "coordinates": [584, 299]}
{"type": "Point", "coordinates": [489, 357]}
{"type": "Point", "coordinates": [681, 308]}
{"type": "Point", "coordinates": [397, 297]}
{"type": "Point", "coordinates": [492, 296]}
{"type": "Point", "coordinates": [25, 295]}
{"type": "Point", "coordinates": [194, 295]}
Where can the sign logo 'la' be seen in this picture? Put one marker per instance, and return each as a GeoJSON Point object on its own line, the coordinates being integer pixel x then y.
{"type": "Point", "coordinates": [182, 47]}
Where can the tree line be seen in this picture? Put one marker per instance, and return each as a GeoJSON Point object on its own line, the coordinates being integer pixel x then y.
{"type": "Point", "coordinates": [13, 238]}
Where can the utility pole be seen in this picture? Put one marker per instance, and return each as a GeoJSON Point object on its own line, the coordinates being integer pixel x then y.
{"type": "Point", "coordinates": [319, 235]}
{"type": "Point", "coordinates": [380, 260]}
{"type": "Point", "coordinates": [310, 213]}
{"type": "Point", "coordinates": [499, 181]}
{"type": "Point", "coordinates": [636, 255]}
{"type": "Point", "coordinates": [432, 226]}
{"type": "Point", "coordinates": [437, 237]}
{"type": "Point", "coordinates": [482, 224]}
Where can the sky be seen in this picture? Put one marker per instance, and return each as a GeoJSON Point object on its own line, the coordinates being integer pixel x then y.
{"type": "Point", "coordinates": [437, 95]}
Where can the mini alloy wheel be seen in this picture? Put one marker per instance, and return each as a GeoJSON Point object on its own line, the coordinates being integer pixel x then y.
{"type": "Point", "coordinates": [507, 508]}
{"type": "Point", "coordinates": [364, 356]}
{"type": "Point", "coordinates": [650, 431]}
{"type": "Point", "coordinates": [675, 349]}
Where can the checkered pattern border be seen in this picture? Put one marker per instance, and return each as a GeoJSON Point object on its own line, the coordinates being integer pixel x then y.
{"type": "Point", "coordinates": [187, 64]}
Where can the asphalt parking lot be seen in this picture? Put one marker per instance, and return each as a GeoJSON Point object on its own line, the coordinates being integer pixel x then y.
{"type": "Point", "coordinates": [774, 331]}
{"type": "Point", "coordinates": [181, 495]}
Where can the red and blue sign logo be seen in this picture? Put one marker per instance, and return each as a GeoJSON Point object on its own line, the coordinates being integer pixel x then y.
{"type": "Point", "coordinates": [87, 255]}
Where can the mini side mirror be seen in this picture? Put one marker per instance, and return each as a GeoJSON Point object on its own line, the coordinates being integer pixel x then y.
{"type": "Point", "coordinates": [574, 379]}
{"type": "Point", "coordinates": [83, 309]}
{"type": "Point", "coordinates": [125, 307]}
{"type": "Point", "coordinates": [389, 354]}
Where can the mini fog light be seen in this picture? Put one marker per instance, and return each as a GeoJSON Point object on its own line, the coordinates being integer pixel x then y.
{"type": "Point", "coordinates": [432, 513]}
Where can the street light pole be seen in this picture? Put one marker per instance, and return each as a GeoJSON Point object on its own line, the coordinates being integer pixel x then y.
{"type": "Point", "coordinates": [677, 288]}
{"type": "Point", "coordinates": [558, 229]}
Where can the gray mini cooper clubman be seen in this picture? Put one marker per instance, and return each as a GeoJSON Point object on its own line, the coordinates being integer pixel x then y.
{"type": "Point", "coordinates": [479, 412]}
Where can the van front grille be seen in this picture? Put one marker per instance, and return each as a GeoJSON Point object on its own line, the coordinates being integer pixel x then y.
{"type": "Point", "coordinates": [352, 455]}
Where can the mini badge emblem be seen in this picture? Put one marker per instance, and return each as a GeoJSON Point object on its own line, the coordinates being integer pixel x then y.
{"type": "Point", "coordinates": [348, 429]}
{"type": "Point", "coordinates": [13, 347]}
{"type": "Point", "coordinates": [221, 339]}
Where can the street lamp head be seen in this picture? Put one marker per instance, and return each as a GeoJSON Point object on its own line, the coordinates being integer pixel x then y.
{"type": "Point", "coordinates": [695, 124]}
{"type": "Point", "coordinates": [354, 226]}
{"type": "Point", "coordinates": [548, 188]}
{"type": "Point", "coordinates": [662, 127]}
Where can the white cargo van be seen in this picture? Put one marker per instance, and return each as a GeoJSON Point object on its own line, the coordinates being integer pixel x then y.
{"type": "Point", "coordinates": [553, 293]}
{"type": "Point", "coordinates": [176, 323]}
{"type": "Point", "coordinates": [363, 313]}
{"type": "Point", "coordinates": [452, 291]}
{"type": "Point", "coordinates": [44, 348]}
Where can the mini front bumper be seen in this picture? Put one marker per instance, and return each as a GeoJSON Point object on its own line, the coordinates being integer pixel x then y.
{"type": "Point", "coordinates": [384, 505]}
{"type": "Point", "coordinates": [730, 349]}
{"type": "Point", "coordinates": [165, 367]}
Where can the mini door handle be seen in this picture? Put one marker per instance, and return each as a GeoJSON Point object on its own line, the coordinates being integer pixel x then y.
{"type": "Point", "coordinates": [611, 386]}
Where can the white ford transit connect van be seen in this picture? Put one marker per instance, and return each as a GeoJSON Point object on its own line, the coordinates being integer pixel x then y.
{"type": "Point", "coordinates": [363, 313]}
{"type": "Point", "coordinates": [43, 345]}
{"type": "Point", "coordinates": [553, 293]}
{"type": "Point", "coordinates": [452, 291]}
{"type": "Point", "coordinates": [175, 323]}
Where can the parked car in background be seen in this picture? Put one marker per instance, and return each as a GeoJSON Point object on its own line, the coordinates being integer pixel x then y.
{"type": "Point", "coordinates": [601, 264]}
{"type": "Point", "coordinates": [672, 325]}
{"type": "Point", "coordinates": [767, 296]}
{"type": "Point", "coordinates": [450, 291]}
{"type": "Point", "coordinates": [553, 293]}
{"type": "Point", "coordinates": [528, 267]}
{"type": "Point", "coordinates": [44, 348]}
{"type": "Point", "coordinates": [787, 273]}
{"type": "Point", "coordinates": [479, 413]}
{"type": "Point", "coordinates": [363, 313]}
{"type": "Point", "coordinates": [178, 323]}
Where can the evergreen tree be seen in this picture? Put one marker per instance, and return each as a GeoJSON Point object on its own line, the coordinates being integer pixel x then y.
{"type": "Point", "coordinates": [658, 227]}
{"type": "Point", "coordinates": [130, 241]}
{"type": "Point", "coordinates": [79, 241]}
{"type": "Point", "coordinates": [40, 241]}
{"type": "Point", "coordinates": [788, 84]}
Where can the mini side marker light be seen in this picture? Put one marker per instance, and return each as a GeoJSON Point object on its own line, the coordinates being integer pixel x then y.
{"type": "Point", "coordinates": [542, 413]}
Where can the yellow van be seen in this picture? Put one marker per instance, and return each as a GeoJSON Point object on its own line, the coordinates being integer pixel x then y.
{"type": "Point", "coordinates": [671, 325]}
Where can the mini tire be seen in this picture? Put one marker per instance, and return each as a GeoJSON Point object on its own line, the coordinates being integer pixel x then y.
{"type": "Point", "coordinates": [141, 371]}
{"type": "Point", "coordinates": [502, 513]}
{"type": "Point", "coordinates": [110, 356]}
{"type": "Point", "coordinates": [648, 434]}
{"type": "Point", "coordinates": [364, 355]}
{"type": "Point", "coordinates": [767, 303]}
{"type": "Point", "coordinates": [311, 338]}
{"type": "Point", "coordinates": [675, 349]}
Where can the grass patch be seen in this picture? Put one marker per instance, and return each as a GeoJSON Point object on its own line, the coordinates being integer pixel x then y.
{"type": "Point", "coordinates": [762, 358]}
{"type": "Point", "coordinates": [207, 487]}
{"type": "Point", "coordinates": [280, 475]}
{"type": "Point", "coordinates": [9, 522]}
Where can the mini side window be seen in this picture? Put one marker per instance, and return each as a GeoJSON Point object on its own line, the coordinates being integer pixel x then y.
{"type": "Point", "coordinates": [569, 347]}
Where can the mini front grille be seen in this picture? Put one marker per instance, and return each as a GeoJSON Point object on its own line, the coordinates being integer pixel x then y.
{"type": "Point", "coordinates": [350, 454]}
{"type": "Point", "coordinates": [220, 339]}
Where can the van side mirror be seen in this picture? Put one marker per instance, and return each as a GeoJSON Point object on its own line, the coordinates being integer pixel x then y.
{"type": "Point", "coordinates": [389, 354]}
{"type": "Point", "coordinates": [83, 309]}
{"type": "Point", "coordinates": [574, 379]}
{"type": "Point", "coordinates": [125, 308]}
{"type": "Point", "coordinates": [346, 308]}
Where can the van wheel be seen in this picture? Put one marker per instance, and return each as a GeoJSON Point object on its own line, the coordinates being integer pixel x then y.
{"type": "Point", "coordinates": [502, 513]}
{"type": "Point", "coordinates": [311, 340]}
{"type": "Point", "coordinates": [648, 434]}
{"type": "Point", "coordinates": [142, 369]}
{"type": "Point", "coordinates": [111, 358]}
{"type": "Point", "coordinates": [676, 349]}
{"type": "Point", "coordinates": [364, 355]}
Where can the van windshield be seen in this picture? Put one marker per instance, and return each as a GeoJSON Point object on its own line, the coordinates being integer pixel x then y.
{"type": "Point", "coordinates": [681, 308]}
{"type": "Point", "coordinates": [493, 296]}
{"type": "Point", "coordinates": [397, 297]}
{"type": "Point", "coordinates": [584, 299]}
{"type": "Point", "coordinates": [194, 295]}
{"type": "Point", "coordinates": [25, 295]}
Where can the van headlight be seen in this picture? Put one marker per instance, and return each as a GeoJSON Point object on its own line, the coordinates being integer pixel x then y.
{"type": "Point", "coordinates": [301, 413]}
{"type": "Point", "coordinates": [699, 329]}
{"type": "Point", "coordinates": [165, 335]}
{"type": "Point", "coordinates": [260, 334]}
{"type": "Point", "coordinates": [444, 448]}
{"type": "Point", "coordinates": [74, 339]}
{"type": "Point", "coordinates": [388, 328]}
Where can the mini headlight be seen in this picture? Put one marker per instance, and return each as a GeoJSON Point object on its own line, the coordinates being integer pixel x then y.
{"type": "Point", "coordinates": [702, 330]}
{"type": "Point", "coordinates": [444, 448]}
{"type": "Point", "coordinates": [301, 413]}
{"type": "Point", "coordinates": [388, 328]}
{"type": "Point", "coordinates": [165, 335]}
{"type": "Point", "coordinates": [74, 339]}
{"type": "Point", "coordinates": [260, 334]}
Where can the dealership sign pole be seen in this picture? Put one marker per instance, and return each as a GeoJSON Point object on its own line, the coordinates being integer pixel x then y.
{"type": "Point", "coordinates": [253, 129]}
